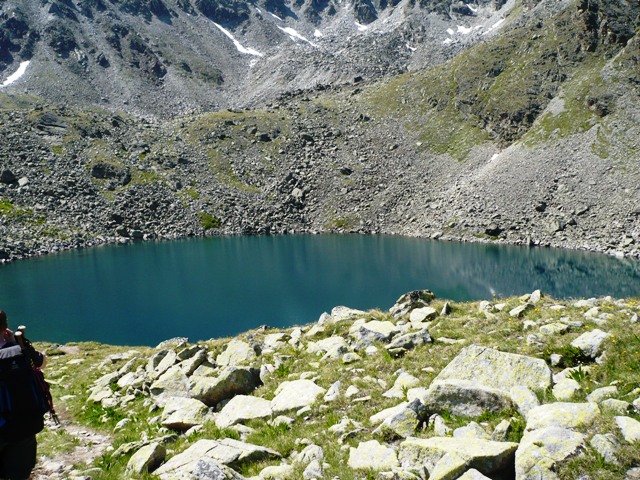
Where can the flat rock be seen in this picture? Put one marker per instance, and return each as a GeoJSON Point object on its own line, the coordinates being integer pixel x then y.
{"type": "Point", "coordinates": [562, 415]}
{"type": "Point", "coordinates": [293, 395]}
{"type": "Point", "coordinates": [424, 314]}
{"type": "Point", "coordinates": [496, 369]}
{"type": "Point", "coordinates": [224, 452]}
{"type": "Point", "coordinates": [374, 331]}
{"type": "Point", "coordinates": [566, 389]}
{"type": "Point", "coordinates": [541, 450]}
{"type": "Point", "coordinates": [242, 408]}
{"type": "Point", "coordinates": [372, 456]}
{"type": "Point", "coordinates": [458, 454]}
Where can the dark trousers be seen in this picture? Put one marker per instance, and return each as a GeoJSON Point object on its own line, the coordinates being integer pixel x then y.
{"type": "Point", "coordinates": [17, 459]}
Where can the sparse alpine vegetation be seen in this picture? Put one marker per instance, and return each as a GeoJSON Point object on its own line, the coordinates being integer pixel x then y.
{"type": "Point", "coordinates": [514, 389]}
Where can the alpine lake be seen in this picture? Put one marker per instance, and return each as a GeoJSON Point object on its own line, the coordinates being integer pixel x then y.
{"type": "Point", "coordinates": [147, 292]}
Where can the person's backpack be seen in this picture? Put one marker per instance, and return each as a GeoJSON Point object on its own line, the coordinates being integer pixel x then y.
{"type": "Point", "coordinates": [23, 401]}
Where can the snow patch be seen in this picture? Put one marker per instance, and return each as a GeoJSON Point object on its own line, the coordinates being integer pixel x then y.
{"type": "Point", "coordinates": [450, 31]}
{"type": "Point", "coordinates": [318, 33]}
{"type": "Point", "coordinates": [296, 36]}
{"type": "Point", "coordinates": [464, 30]}
{"type": "Point", "coordinates": [16, 75]}
{"type": "Point", "coordinates": [447, 41]}
{"type": "Point", "coordinates": [472, 8]}
{"type": "Point", "coordinates": [361, 28]}
{"type": "Point", "coordinates": [258, 10]}
{"type": "Point", "coordinates": [495, 155]}
{"type": "Point", "coordinates": [274, 16]}
{"type": "Point", "coordinates": [413, 49]}
{"type": "Point", "coordinates": [494, 26]}
{"type": "Point", "coordinates": [241, 49]}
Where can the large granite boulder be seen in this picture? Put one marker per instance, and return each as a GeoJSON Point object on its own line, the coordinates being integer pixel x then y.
{"type": "Point", "coordinates": [365, 333]}
{"type": "Point", "coordinates": [147, 459]}
{"type": "Point", "coordinates": [562, 415]}
{"type": "Point", "coordinates": [446, 457]}
{"type": "Point", "coordinates": [462, 397]}
{"type": "Point", "coordinates": [590, 343]}
{"type": "Point", "coordinates": [230, 382]}
{"type": "Point", "coordinates": [495, 369]}
{"type": "Point", "coordinates": [410, 301]}
{"type": "Point", "coordinates": [173, 382]}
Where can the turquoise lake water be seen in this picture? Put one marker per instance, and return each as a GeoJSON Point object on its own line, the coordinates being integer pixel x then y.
{"type": "Point", "coordinates": [143, 293]}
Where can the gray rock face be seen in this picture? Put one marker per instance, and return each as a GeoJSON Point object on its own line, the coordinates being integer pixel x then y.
{"type": "Point", "coordinates": [454, 456]}
{"type": "Point", "coordinates": [410, 301]}
{"type": "Point", "coordinates": [230, 382]}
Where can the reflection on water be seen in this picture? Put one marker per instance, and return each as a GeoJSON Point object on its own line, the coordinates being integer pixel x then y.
{"type": "Point", "coordinates": [216, 287]}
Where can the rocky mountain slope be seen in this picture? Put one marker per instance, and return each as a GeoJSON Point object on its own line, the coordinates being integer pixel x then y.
{"type": "Point", "coordinates": [513, 121]}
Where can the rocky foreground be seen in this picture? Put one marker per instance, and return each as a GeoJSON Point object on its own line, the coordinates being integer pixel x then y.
{"type": "Point", "coordinates": [527, 388]}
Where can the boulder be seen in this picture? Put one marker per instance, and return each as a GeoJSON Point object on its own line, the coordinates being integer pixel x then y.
{"type": "Point", "coordinates": [566, 389]}
{"type": "Point", "coordinates": [198, 469]}
{"type": "Point", "coordinates": [173, 382]}
{"type": "Point", "coordinates": [461, 397]}
{"type": "Point", "coordinates": [191, 363]}
{"type": "Point", "coordinates": [410, 340]}
{"type": "Point", "coordinates": [332, 347]}
{"type": "Point", "coordinates": [183, 413]}
{"type": "Point", "coordinates": [524, 399]}
{"type": "Point", "coordinates": [236, 353]}
{"type": "Point", "coordinates": [590, 343]}
{"type": "Point", "coordinates": [410, 301]}
{"type": "Point", "coordinates": [147, 459]}
{"type": "Point", "coordinates": [629, 427]}
{"type": "Point", "coordinates": [372, 455]}
{"type": "Point", "coordinates": [602, 393]}
{"type": "Point", "coordinates": [230, 382]}
{"type": "Point", "coordinates": [402, 424]}
{"type": "Point", "coordinates": [292, 395]}
{"type": "Point", "coordinates": [607, 447]}
{"type": "Point", "coordinates": [374, 331]}
{"type": "Point", "coordinates": [224, 452]}
{"type": "Point", "coordinates": [498, 370]}
{"type": "Point", "coordinates": [424, 314]}
{"type": "Point", "coordinates": [457, 455]}
{"type": "Point", "coordinates": [562, 415]}
{"type": "Point", "coordinates": [242, 408]}
{"type": "Point", "coordinates": [541, 450]}
{"type": "Point", "coordinates": [401, 385]}
{"type": "Point", "coordinates": [382, 415]}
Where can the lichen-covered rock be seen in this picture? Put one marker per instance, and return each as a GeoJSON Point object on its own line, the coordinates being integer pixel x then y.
{"type": "Point", "coordinates": [231, 381]}
{"type": "Point", "coordinates": [402, 424]}
{"type": "Point", "coordinates": [236, 353]}
{"type": "Point", "coordinates": [459, 454]}
{"type": "Point", "coordinates": [147, 459]}
{"type": "Point", "coordinates": [173, 382]}
{"type": "Point", "coordinates": [242, 408]}
{"type": "Point", "coordinates": [607, 447]}
{"type": "Point", "coordinates": [410, 301]}
{"type": "Point", "coordinates": [602, 393]}
{"type": "Point", "coordinates": [401, 385]}
{"type": "Point", "coordinates": [524, 399]}
{"type": "Point", "coordinates": [473, 474]}
{"type": "Point", "coordinates": [541, 450]}
{"type": "Point", "coordinates": [222, 453]}
{"type": "Point", "coordinates": [372, 456]}
{"type": "Point", "coordinates": [294, 395]}
{"type": "Point", "coordinates": [332, 347]}
{"type": "Point", "coordinates": [590, 343]}
{"type": "Point", "coordinates": [496, 369]}
{"type": "Point", "coordinates": [462, 397]}
{"type": "Point", "coordinates": [183, 413]}
{"type": "Point", "coordinates": [562, 415]}
{"type": "Point", "coordinates": [365, 333]}
{"type": "Point", "coordinates": [424, 314]}
{"type": "Point", "coordinates": [566, 389]}
{"type": "Point", "coordinates": [629, 427]}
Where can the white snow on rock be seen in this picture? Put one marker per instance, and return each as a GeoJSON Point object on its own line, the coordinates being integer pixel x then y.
{"type": "Point", "coordinates": [361, 28]}
{"type": "Point", "coordinates": [16, 75]}
{"type": "Point", "coordinates": [274, 16]}
{"type": "Point", "coordinates": [241, 49]}
{"type": "Point", "coordinates": [464, 30]}
{"type": "Point", "coordinates": [318, 33]}
{"type": "Point", "coordinates": [450, 31]}
{"type": "Point", "coordinates": [493, 27]}
{"type": "Point", "coordinates": [296, 36]}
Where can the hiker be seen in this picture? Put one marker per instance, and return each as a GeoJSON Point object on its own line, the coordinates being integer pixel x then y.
{"type": "Point", "coordinates": [21, 417]}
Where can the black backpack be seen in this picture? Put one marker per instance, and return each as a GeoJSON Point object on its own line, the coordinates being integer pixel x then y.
{"type": "Point", "coordinates": [23, 400]}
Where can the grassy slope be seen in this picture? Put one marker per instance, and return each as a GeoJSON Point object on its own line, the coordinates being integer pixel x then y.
{"type": "Point", "coordinates": [73, 373]}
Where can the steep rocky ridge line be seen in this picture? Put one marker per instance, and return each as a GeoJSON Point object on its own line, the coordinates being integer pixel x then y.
{"type": "Point", "coordinates": [465, 150]}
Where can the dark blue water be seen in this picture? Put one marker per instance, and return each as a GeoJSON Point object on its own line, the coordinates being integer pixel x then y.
{"type": "Point", "coordinates": [141, 294]}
